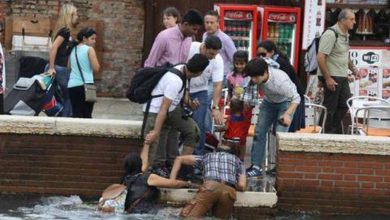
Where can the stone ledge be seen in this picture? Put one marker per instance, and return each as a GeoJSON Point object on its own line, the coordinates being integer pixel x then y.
{"type": "Point", "coordinates": [70, 126]}
{"type": "Point", "coordinates": [244, 199]}
{"type": "Point", "coordinates": [328, 143]}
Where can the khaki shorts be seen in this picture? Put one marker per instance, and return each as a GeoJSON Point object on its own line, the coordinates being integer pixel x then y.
{"type": "Point", "coordinates": [212, 195]}
{"type": "Point", "coordinates": [187, 127]}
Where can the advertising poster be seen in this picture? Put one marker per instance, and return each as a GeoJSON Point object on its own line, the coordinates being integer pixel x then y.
{"type": "Point", "coordinates": [386, 84]}
{"type": "Point", "coordinates": [374, 67]}
{"type": "Point", "coordinates": [314, 21]}
{"type": "Point", "coordinates": [369, 84]}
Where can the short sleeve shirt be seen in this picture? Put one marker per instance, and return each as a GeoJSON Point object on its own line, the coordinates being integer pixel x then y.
{"type": "Point", "coordinates": [213, 71]}
{"type": "Point", "coordinates": [63, 51]}
{"type": "Point", "coordinates": [337, 51]}
{"type": "Point", "coordinates": [170, 85]}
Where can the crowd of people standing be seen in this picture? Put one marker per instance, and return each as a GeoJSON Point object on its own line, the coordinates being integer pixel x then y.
{"type": "Point", "coordinates": [178, 121]}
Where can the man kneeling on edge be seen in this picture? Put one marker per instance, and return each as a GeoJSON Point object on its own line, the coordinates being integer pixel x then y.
{"type": "Point", "coordinates": [164, 110]}
{"type": "Point", "coordinates": [223, 174]}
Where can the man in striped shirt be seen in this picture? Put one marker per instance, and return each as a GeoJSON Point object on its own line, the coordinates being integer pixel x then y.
{"type": "Point", "coordinates": [278, 107]}
{"type": "Point", "coordinates": [223, 174]}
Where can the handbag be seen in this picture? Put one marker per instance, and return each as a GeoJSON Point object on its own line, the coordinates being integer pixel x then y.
{"type": "Point", "coordinates": [89, 88]}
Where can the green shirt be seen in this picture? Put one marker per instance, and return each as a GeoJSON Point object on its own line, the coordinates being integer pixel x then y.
{"type": "Point", "coordinates": [337, 51]}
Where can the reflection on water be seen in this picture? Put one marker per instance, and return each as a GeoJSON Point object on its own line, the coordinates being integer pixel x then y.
{"type": "Point", "coordinates": [58, 207]}
{"type": "Point", "coordinates": [18, 207]}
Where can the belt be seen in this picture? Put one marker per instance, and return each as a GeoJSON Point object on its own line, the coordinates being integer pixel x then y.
{"type": "Point", "coordinates": [224, 182]}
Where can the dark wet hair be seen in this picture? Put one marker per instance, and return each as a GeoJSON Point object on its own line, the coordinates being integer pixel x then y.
{"type": "Point", "coordinates": [269, 46]}
{"type": "Point", "coordinates": [213, 42]}
{"type": "Point", "coordinates": [231, 146]}
{"type": "Point", "coordinates": [193, 17]}
{"type": "Point", "coordinates": [256, 67]}
{"type": "Point", "coordinates": [172, 11]}
{"type": "Point", "coordinates": [239, 55]}
{"type": "Point", "coordinates": [132, 164]}
{"type": "Point", "coordinates": [236, 106]}
{"type": "Point", "coordinates": [197, 63]}
{"type": "Point", "coordinates": [213, 13]}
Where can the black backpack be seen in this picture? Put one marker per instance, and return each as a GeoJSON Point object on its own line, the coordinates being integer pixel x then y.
{"type": "Point", "coordinates": [143, 83]}
{"type": "Point", "coordinates": [311, 64]}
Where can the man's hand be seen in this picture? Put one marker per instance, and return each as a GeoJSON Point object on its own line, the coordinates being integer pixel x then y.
{"type": "Point", "coordinates": [151, 137]}
{"type": "Point", "coordinates": [194, 104]}
{"type": "Point", "coordinates": [285, 120]}
{"type": "Point", "coordinates": [218, 117]}
{"type": "Point", "coordinates": [331, 84]}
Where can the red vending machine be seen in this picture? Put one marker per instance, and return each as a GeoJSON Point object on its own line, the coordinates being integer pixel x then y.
{"type": "Point", "coordinates": [283, 26]}
{"type": "Point", "coordinates": [240, 23]}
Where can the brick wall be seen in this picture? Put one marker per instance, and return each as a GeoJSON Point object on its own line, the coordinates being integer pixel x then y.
{"type": "Point", "coordinates": [123, 22]}
{"type": "Point", "coordinates": [334, 182]}
{"type": "Point", "coordinates": [3, 13]}
{"type": "Point", "coordinates": [61, 165]}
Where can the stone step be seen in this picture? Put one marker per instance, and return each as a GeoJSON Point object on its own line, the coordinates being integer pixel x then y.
{"type": "Point", "coordinates": [244, 199]}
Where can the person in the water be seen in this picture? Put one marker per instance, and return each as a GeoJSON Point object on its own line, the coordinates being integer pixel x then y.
{"type": "Point", "coordinates": [223, 174]}
{"type": "Point", "coordinates": [138, 191]}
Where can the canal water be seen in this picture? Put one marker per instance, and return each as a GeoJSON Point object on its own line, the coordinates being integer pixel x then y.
{"type": "Point", "coordinates": [18, 207]}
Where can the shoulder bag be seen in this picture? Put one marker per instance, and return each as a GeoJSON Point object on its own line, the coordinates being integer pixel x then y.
{"type": "Point", "coordinates": [89, 88]}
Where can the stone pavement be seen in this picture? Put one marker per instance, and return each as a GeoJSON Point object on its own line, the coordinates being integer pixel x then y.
{"type": "Point", "coordinates": [117, 108]}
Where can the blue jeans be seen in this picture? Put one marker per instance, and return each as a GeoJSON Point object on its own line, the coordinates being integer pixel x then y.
{"type": "Point", "coordinates": [269, 114]}
{"type": "Point", "coordinates": [208, 118]}
{"type": "Point", "coordinates": [199, 116]}
{"type": "Point", "coordinates": [62, 78]}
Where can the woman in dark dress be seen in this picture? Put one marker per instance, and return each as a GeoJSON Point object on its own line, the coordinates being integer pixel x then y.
{"type": "Point", "coordinates": [138, 190]}
{"type": "Point", "coordinates": [268, 49]}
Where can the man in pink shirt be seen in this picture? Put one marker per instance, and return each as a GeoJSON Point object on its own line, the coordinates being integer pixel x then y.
{"type": "Point", "coordinates": [172, 46]}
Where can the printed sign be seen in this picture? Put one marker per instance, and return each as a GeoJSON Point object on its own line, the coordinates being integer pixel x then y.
{"type": "Point", "coordinates": [314, 21]}
{"type": "Point", "coordinates": [239, 15]}
{"type": "Point", "coordinates": [282, 17]}
{"type": "Point", "coordinates": [366, 57]}
{"type": "Point", "coordinates": [2, 70]}
{"type": "Point", "coordinates": [374, 70]}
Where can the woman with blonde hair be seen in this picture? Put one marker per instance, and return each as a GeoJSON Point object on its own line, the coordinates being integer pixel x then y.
{"type": "Point", "coordinates": [59, 52]}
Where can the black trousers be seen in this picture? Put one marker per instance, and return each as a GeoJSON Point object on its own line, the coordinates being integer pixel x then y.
{"type": "Point", "coordinates": [80, 108]}
{"type": "Point", "coordinates": [336, 104]}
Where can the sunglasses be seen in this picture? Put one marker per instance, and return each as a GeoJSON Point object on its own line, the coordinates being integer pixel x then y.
{"type": "Point", "coordinates": [261, 54]}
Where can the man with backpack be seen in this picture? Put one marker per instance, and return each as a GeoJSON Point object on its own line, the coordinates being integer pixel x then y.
{"type": "Point", "coordinates": [334, 62]}
{"type": "Point", "coordinates": [165, 109]}
{"type": "Point", "coordinates": [171, 47]}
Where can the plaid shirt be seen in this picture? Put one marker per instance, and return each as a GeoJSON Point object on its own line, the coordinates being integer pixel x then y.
{"type": "Point", "coordinates": [220, 166]}
{"type": "Point", "coordinates": [251, 94]}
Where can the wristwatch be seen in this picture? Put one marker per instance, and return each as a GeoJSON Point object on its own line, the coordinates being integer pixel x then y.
{"type": "Point", "coordinates": [215, 107]}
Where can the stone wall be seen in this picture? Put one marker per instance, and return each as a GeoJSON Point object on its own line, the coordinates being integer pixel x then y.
{"type": "Point", "coordinates": [64, 156]}
{"type": "Point", "coordinates": [123, 22]}
{"type": "Point", "coordinates": [334, 173]}
{"type": "Point", "coordinates": [3, 13]}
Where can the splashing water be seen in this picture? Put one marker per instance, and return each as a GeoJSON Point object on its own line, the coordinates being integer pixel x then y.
{"type": "Point", "coordinates": [72, 207]}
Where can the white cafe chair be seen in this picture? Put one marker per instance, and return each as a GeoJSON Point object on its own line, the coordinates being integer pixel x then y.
{"type": "Point", "coordinates": [358, 107]}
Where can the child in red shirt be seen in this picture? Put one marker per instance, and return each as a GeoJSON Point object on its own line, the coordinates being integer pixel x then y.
{"type": "Point", "coordinates": [237, 125]}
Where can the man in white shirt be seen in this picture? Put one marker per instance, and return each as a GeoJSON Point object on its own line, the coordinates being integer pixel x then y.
{"type": "Point", "coordinates": [199, 85]}
{"type": "Point", "coordinates": [166, 111]}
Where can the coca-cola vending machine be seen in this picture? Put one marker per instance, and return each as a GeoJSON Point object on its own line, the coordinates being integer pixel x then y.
{"type": "Point", "coordinates": [283, 26]}
{"type": "Point", "coordinates": [240, 23]}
